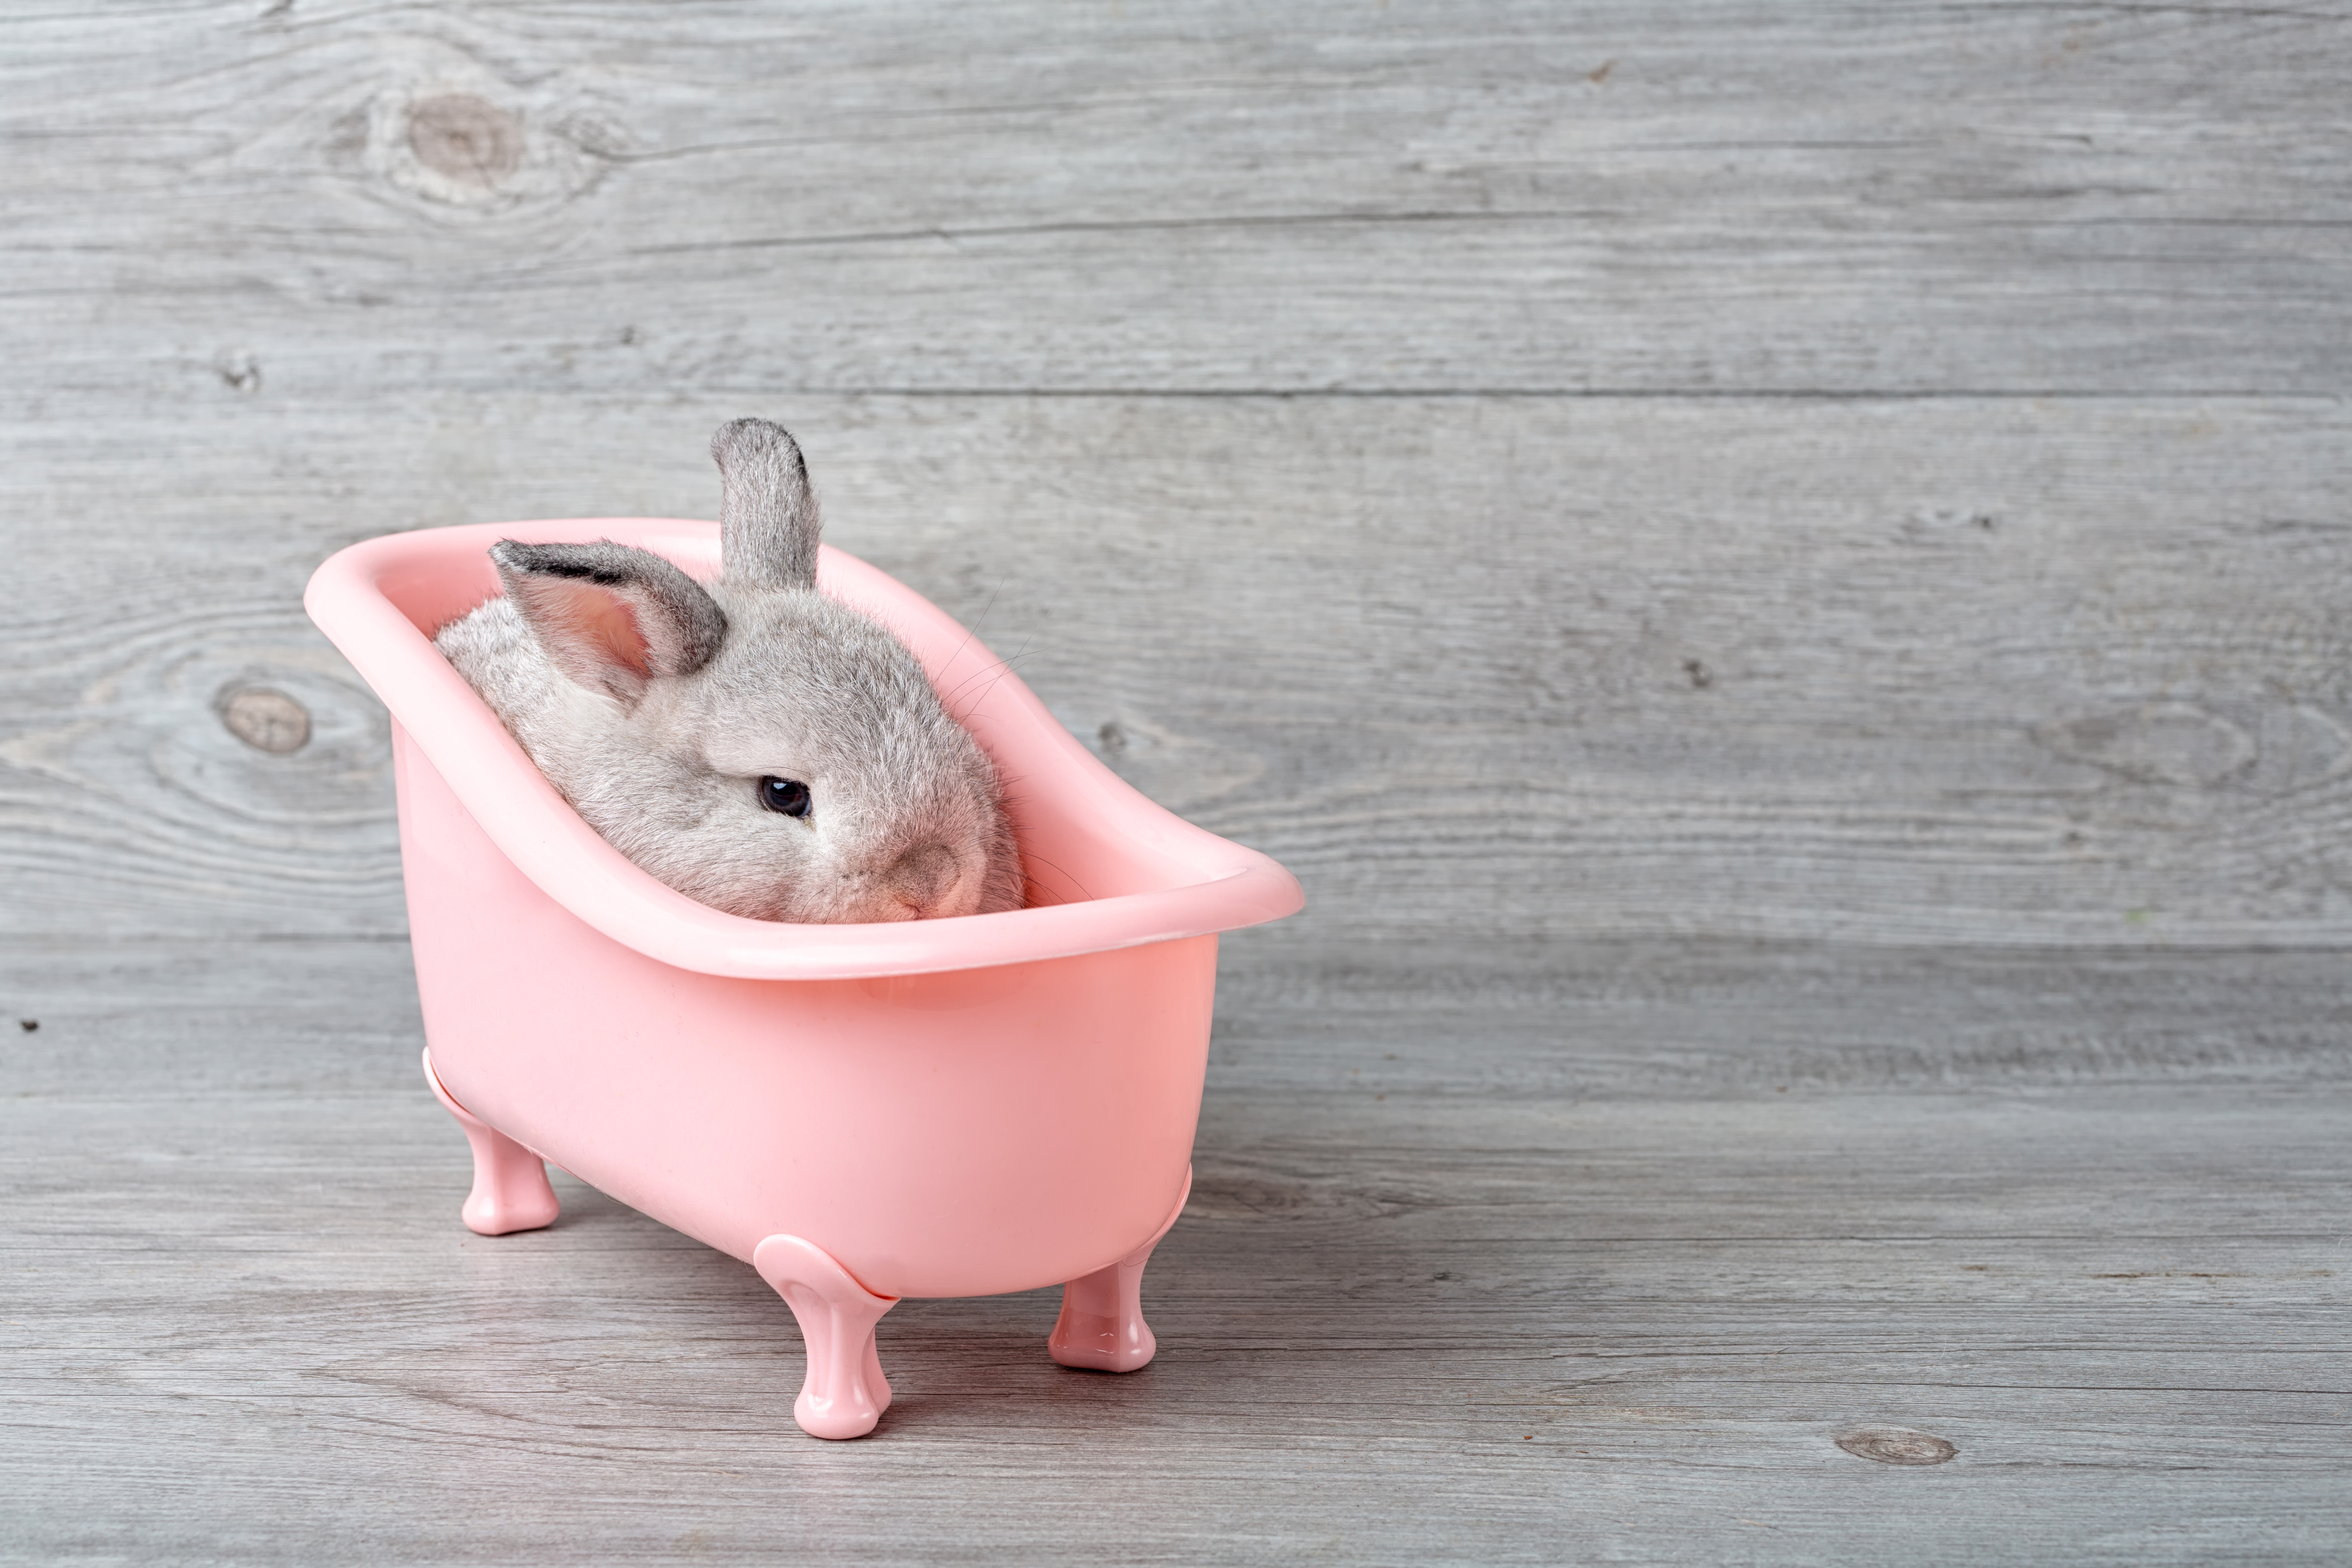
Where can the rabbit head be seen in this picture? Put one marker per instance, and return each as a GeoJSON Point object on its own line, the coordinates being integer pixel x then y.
{"type": "Point", "coordinates": [755, 744]}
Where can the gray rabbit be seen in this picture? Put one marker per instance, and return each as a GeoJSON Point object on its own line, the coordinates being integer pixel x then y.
{"type": "Point", "coordinates": [755, 744]}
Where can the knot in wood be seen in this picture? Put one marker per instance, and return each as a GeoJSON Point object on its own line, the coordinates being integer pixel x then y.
{"type": "Point", "coordinates": [265, 719]}
{"type": "Point", "coordinates": [466, 139]}
{"type": "Point", "coordinates": [1896, 1445]}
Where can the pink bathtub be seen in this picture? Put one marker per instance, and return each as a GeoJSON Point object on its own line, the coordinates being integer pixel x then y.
{"type": "Point", "coordinates": [861, 1112]}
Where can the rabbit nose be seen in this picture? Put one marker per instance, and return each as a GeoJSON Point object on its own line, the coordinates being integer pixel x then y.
{"type": "Point", "coordinates": [923, 878]}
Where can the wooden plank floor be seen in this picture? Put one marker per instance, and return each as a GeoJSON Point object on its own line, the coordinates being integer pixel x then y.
{"type": "Point", "coordinates": [1615, 1295]}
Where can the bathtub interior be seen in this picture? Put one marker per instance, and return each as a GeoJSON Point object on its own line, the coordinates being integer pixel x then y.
{"type": "Point", "coordinates": [1106, 867]}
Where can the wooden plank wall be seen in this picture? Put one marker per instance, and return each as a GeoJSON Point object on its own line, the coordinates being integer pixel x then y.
{"type": "Point", "coordinates": [1861, 471]}
{"type": "Point", "coordinates": [1780, 572]}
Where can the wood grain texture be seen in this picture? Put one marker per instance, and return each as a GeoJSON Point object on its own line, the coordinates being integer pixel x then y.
{"type": "Point", "coordinates": [1953, 556]}
{"type": "Point", "coordinates": [787, 200]}
{"type": "Point", "coordinates": [1451, 1325]}
{"type": "Point", "coordinates": [1665, 1019]}
{"type": "Point", "coordinates": [1589, 487]}
{"type": "Point", "coordinates": [1986, 671]}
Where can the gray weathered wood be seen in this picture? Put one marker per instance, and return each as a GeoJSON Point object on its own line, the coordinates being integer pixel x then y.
{"type": "Point", "coordinates": [1590, 487]}
{"type": "Point", "coordinates": [1624, 1322]}
{"type": "Point", "coordinates": [780, 201]}
{"type": "Point", "coordinates": [1951, 666]}
{"type": "Point", "coordinates": [1976, 671]}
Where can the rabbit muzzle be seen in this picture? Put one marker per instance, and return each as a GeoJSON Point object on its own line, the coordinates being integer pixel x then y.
{"type": "Point", "coordinates": [924, 879]}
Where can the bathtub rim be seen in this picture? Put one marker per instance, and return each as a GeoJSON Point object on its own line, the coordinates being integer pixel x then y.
{"type": "Point", "coordinates": [1232, 886]}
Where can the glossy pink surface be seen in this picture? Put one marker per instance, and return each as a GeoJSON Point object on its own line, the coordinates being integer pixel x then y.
{"type": "Point", "coordinates": [1101, 1326]}
{"type": "Point", "coordinates": [846, 1393]}
{"type": "Point", "coordinates": [943, 1108]}
{"type": "Point", "coordinates": [511, 1186]}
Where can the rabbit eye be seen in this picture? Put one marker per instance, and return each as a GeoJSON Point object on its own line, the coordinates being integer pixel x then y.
{"type": "Point", "coordinates": [788, 796]}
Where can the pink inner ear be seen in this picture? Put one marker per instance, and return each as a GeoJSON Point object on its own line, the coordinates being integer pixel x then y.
{"type": "Point", "coordinates": [595, 621]}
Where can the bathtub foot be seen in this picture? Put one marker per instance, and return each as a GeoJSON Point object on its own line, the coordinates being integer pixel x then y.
{"type": "Point", "coordinates": [1101, 1327]}
{"type": "Point", "coordinates": [510, 1191]}
{"type": "Point", "coordinates": [845, 1392]}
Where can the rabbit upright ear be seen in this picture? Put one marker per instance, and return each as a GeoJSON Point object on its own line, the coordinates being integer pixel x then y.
{"type": "Point", "coordinates": [768, 522]}
{"type": "Point", "coordinates": [612, 616]}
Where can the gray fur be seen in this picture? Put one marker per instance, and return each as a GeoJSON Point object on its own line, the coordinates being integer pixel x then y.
{"type": "Point", "coordinates": [681, 625]}
{"type": "Point", "coordinates": [759, 675]}
{"type": "Point", "coordinates": [768, 522]}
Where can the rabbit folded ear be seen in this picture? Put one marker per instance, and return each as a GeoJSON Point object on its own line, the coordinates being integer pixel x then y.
{"type": "Point", "coordinates": [768, 522]}
{"type": "Point", "coordinates": [612, 616]}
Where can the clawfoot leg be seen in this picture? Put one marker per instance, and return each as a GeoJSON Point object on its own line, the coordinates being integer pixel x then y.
{"type": "Point", "coordinates": [1101, 1327]}
{"type": "Point", "coordinates": [845, 1392]}
{"type": "Point", "coordinates": [510, 1191]}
